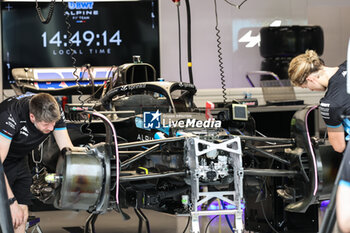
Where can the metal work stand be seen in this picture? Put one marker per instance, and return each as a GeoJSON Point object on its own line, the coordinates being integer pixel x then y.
{"type": "Point", "coordinates": [33, 223]}
{"type": "Point", "coordinates": [232, 148]}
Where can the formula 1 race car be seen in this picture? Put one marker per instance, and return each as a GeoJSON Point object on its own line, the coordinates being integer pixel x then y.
{"type": "Point", "coordinates": [149, 147]}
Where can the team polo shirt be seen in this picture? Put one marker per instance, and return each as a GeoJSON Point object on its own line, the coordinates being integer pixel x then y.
{"type": "Point", "coordinates": [15, 125]}
{"type": "Point", "coordinates": [336, 102]}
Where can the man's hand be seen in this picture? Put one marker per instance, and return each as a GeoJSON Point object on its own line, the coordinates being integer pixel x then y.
{"type": "Point", "coordinates": [17, 214]}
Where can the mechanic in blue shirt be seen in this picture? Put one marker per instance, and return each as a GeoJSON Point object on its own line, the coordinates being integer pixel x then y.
{"type": "Point", "coordinates": [308, 71]}
{"type": "Point", "coordinates": [25, 122]}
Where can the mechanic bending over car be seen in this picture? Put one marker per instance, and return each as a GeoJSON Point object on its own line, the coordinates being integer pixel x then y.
{"type": "Point", "coordinates": [308, 71]}
{"type": "Point", "coordinates": [25, 122]}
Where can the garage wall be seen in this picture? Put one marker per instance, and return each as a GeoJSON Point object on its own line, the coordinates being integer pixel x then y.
{"type": "Point", "coordinates": [334, 18]}
{"type": "Point", "coordinates": [238, 57]}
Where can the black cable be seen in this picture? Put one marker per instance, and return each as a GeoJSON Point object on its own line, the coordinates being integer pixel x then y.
{"type": "Point", "coordinates": [207, 227]}
{"type": "Point", "coordinates": [187, 224]}
{"type": "Point", "coordinates": [91, 80]}
{"type": "Point", "coordinates": [226, 217]}
{"type": "Point", "coordinates": [49, 15]}
{"type": "Point", "coordinates": [104, 86]}
{"type": "Point", "coordinates": [142, 218]}
{"type": "Point", "coordinates": [218, 38]}
{"type": "Point", "coordinates": [234, 5]}
{"type": "Point", "coordinates": [87, 121]}
{"type": "Point", "coordinates": [267, 221]}
{"type": "Point", "coordinates": [189, 42]}
{"type": "Point", "coordinates": [80, 79]}
{"type": "Point", "coordinates": [230, 3]}
{"type": "Point", "coordinates": [77, 78]}
{"type": "Point", "coordinates": [93, 95]}
{"type": "Point", "coordinates": [179, 32]}
{"type": "Point", "coordinates": [110, 83]}
{"type": "Point", "coordinates": [70, 46]}
{"type": "Point", "coordinates": [72, 52]}
{"type": "Point", "coordinates": [87, 118]}
{"type": "Point", "coordinates": [114, 80]}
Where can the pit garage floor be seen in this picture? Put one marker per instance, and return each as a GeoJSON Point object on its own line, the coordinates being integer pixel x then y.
{"type": "Point", "coordinates": [61, 221]}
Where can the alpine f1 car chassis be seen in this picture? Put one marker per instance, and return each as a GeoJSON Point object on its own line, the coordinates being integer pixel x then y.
{"type": "Point", "coordinates": [182, 175]}
{"type": "Point", "coordinates": [189, 168]}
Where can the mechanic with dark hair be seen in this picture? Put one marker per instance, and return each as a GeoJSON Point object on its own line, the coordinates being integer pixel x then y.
{"type": "Point", "coordinates": [308, 71]}
{"type": "Point", "coordinates": [25, 122]}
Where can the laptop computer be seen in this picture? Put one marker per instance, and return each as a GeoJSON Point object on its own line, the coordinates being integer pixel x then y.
{"type": "Point", "coordinates": [279, 92]}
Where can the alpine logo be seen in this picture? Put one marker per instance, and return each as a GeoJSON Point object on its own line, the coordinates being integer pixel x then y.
{"type": "Point", "coordinates": [252, 40]}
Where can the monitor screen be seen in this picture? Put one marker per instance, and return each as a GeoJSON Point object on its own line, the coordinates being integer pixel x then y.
{"type": "Point", "coordinates": [239, 112]}
{"type": "Point", "coordinates": [79, 33]}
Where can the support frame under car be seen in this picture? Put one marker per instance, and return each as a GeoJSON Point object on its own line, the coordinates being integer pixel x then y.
{"type": "Point", "coordinates": [234, 197]}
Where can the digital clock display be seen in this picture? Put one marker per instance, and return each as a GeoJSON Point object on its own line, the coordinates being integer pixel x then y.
{"type": "Point", "coordinates": [81, 39]}
{"type": "Point", "coordinates": [95, 33]}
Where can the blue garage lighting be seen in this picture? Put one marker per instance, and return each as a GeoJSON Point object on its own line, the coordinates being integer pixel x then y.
{"type": "Point", "coordinates": [215, 206]}
{"type": "Point", "coordinates": [324, 204]}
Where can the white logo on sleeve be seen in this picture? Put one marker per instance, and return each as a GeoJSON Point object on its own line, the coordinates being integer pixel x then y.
{"type": "Point", "coordinates": [11, 122]}
{"type": "Point", "coordinates": [24, 131]}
